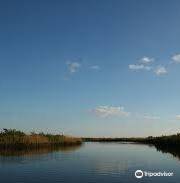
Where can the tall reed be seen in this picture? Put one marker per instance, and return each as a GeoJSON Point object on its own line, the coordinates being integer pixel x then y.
{"type": "Point", "coordinates": [11, 138]}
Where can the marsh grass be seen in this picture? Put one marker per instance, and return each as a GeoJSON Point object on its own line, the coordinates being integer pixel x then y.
{"type": "Point", "coordinates": [14, 139]}
{"type": "Point", "coordinates": [171, 140]}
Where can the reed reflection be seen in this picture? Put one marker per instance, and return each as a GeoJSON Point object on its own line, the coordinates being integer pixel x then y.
{"type": "Point", "coordinates": [175, 151]}
{"type": "Point", "coordinates": [38, 151]}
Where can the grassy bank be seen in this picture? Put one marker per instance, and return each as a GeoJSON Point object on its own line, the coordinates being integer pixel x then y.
{"type": "Point", "coordinates": [171, 140]}
{"type": "Point", "coordinates": [14, 139]}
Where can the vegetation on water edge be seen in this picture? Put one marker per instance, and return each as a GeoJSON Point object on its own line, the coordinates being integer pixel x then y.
{"type": "Point", "coordinates": [11, 138]}
{"type": "Point", "coordinates": [171, 140]}
{"type": "Point", "coordinates": [166, 144]}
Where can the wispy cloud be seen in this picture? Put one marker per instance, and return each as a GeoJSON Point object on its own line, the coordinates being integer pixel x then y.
{"type": "Point", "coordinates": [143, 64]}
{"type": "Point", "coordinates": [73, 66]}
{"type": "Point", "coordinates": [107, 111]}
{"type": "Point", "coordinates": [139, 67]}
{"type": "Point", "coordinates": [160, 70]}
{"type": "Point", "coordinates": [176, 58]}
{"type": "Point", "coordinates": [146, 60]}
{"type": "Point", "coordinates": [151, 117]}
{"type": "Point", "coordinates": [95, 67]}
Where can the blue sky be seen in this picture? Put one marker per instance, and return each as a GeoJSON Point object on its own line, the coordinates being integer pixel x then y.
{"type": "Point", "coordinates": [90, 68]}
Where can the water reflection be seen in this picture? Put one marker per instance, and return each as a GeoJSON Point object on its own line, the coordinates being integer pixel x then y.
{"type": "Point", "coordinates": [111, 167]}
{"type": "Point", "coordinates": [38, 151]}
{"type": "Point", "coordinates": [91, 162]}
{"type": "Point", "coordinates": [175, 151]}
{"type": "Point", "coordinates": [101, 166]}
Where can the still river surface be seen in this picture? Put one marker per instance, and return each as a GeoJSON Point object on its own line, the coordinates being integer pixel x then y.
{"type": "Point", "coordinates": [91, 162]}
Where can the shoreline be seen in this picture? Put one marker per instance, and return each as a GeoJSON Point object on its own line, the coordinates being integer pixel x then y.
{"type": "Point", "coordinates": [170, 140]}
{"type": "Point", "coordinates": [14, 139]}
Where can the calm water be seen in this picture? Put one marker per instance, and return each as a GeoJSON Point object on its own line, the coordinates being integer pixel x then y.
{"type": "Point", "coordinates": [92, 162]}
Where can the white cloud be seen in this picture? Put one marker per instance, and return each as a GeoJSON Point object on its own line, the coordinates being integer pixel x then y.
{"type": "Point", "coordinates": [95, 67]}
{"type": "Point", "coordinates": [176, 58]}
{"type": "Point", "coordinates": [146, 60]}
{"type": "Point", "coordinates": [142, 65]}
{"type": "Point", "coordinates": [139, 67]}
{"type": "Point", "coordinates": [178, 117]}
{"type": "Point", "coordinates": [73, 66]}
{"type": "Point", "coordinates": [150, 117]}
{"type": "Point", "coordinates": [106, 111]}
{"type": "Point", "coordinates": [161, 70]}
